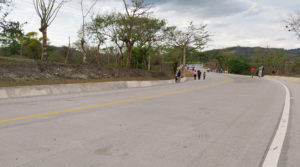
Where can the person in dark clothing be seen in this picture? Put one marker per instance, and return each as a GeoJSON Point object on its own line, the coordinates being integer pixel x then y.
{"type": "Point", "coordinates": [273, 70]}
{"type": "Point", "coordinates": [204, 75]}
{"type": "Point", "coordinates": [199, 74]}
{"type": "Point", "coordinates": [178, 76]}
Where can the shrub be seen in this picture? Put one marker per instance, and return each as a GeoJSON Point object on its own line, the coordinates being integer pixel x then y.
{"type": "Point", "coordinates": [238, 66]}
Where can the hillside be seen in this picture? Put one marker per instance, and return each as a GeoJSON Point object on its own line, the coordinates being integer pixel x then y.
{"type": "Point", "coordinates": [250, 51]}
{"type": "Point", "coordinates": [295, 52]}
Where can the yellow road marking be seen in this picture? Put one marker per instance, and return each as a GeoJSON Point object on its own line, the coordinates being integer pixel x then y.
{"type": "Point", "coordinates": [116, 102]}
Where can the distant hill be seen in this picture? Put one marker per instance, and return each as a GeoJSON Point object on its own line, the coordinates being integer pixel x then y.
{"type": "Point", "coordinates": [295, 52]}
{"type": "Point", "coordinates": [250, 51]}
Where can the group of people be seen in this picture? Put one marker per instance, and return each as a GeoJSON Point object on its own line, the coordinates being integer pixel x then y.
{"type": "Point", "coordinates": [199, 73]}
{"type": "Point", "coordinates": [260, 72]}
{"type": "Point", "coordinates": [196, 73]}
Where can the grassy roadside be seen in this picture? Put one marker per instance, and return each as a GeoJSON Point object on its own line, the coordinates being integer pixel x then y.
{"type": "Point", "coordinates": [27, 72]}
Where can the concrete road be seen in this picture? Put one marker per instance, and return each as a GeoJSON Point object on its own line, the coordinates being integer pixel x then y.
{"type": "Point", "coordinates": [291, 151]}
{"type": "Point", "coordinates": [225, 121]}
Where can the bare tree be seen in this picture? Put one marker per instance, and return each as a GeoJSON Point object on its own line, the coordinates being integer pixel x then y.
{"type": "Point", "coordinates": [84, 14]}
{"type": "Point", "coordinates": [293, 24]}
{"type": "Point", "coordinates": [47, 11]}
{"type": "Point", "coordinates": [5, 8]}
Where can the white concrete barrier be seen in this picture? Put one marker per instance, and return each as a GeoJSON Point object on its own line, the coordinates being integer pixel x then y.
{"type": "Point", "coordinates": [43, 90]}
{"type": "Point", "coordinates": [3, 94]}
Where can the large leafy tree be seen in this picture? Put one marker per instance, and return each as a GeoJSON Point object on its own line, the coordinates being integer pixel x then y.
{"type": "Point", "coordinates": [130, 25]}
{"type": "Point", "coordinates": [151, 30]}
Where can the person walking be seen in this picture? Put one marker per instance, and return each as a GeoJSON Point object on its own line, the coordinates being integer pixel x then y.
{"type": "Point", "coordinates": [199, 74]}
{"type": "Point", "coordinates": [178, 76]}
{"type": "Point", "coordinates": [252, 71]}
{"type": "Point", "coordinates": [195, 75]}
{"type": "Point", "coordinates": [204, 75]}
{"type": "Point", "coordinates": [260, 71]}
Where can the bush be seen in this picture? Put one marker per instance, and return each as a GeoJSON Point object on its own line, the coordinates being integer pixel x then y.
{"type": "Point", "coordinates": [238, 66]}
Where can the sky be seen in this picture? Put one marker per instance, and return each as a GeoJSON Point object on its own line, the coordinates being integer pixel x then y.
{"type": "Point", "coordinates": [230, 22]}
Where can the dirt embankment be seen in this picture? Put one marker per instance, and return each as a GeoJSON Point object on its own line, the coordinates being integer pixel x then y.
{"type": "Point", "coordinates": [27, 72]}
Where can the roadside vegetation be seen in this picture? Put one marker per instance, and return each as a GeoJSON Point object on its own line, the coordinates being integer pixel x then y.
{"type": "Point", "coordinates": [132, 39]}
{"type": "Point", "coordinates": [240, 60]}
{"type": "Point", "coordinates": [124, 41]}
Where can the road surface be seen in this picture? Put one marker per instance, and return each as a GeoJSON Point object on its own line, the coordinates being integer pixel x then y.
{"type": "Point", "coordinates": [225, 121]}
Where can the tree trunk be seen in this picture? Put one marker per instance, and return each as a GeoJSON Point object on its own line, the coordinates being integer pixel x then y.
{"type": "Point", "coordinates": [98, 54]}
{"type": "Point", "coordinates": [22, 46]}
{"type": "Point", "coordinates": [129, 47]}
{"type": "Point", "coordinates": [44, 45]}
{"type": "Point", "coordinates": [84, 57]}
{"type": "Point", "coordinates": [121, 57]}
{"type": "Point", "coordinates": [184, 61]}
{"type": "Point", "coordinates": [162, 61]}
{"type": "Point", "coordinates": [108, 59]}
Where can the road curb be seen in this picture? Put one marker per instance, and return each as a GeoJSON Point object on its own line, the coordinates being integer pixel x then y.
{"type": "Point", "coordinates": [291, 79]}
{"type": "Point", "coordinates": [44, 90]}
{"type": "Point", "coordinates": [274, 151]}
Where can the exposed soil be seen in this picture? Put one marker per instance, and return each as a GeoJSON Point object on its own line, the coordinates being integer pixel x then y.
{"type": "Point", "coordinates": [18, 72]}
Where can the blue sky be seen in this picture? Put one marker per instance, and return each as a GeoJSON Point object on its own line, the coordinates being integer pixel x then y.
{"type": "Point", "coordinates": [231, 22]}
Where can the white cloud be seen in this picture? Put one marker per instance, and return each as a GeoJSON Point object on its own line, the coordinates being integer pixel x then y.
{"type": "Point", "coordinates": [232, 22]}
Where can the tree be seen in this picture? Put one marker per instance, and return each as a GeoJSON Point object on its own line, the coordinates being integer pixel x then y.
{"type": "Point", "coordinates": [47, 12]}
{"type": "Point", "coordinates": [194, 37]}
{"type": "Point", "coordinates": [5, 8]}
{"type": "Point", "coordinates": [84, 14]}
{"type": "Point", "coordinates": [10, 37]}
{"type": "Point", "coordinates": [116, 33]}
{"type": "Point", "coordinates": [135, 27]}
{"type": "Point", "coordinates": [10, 31]}
{"type": "Point", "coordinates": [32, 46]}
{"type": "Point", "coordinates": [293, 24]}
{"type": "Point", "coordinates": [238, 66]}
{"type": "Point", "coordinates": [96, 31]}
{"type": "Point", "coordinates": [151, 30]}
{"type": "Point", "coordinates": [130, 25]}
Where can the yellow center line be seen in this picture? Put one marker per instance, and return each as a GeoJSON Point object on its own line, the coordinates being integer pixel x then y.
{"type": "Point", "coordinates": [116, 102]}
